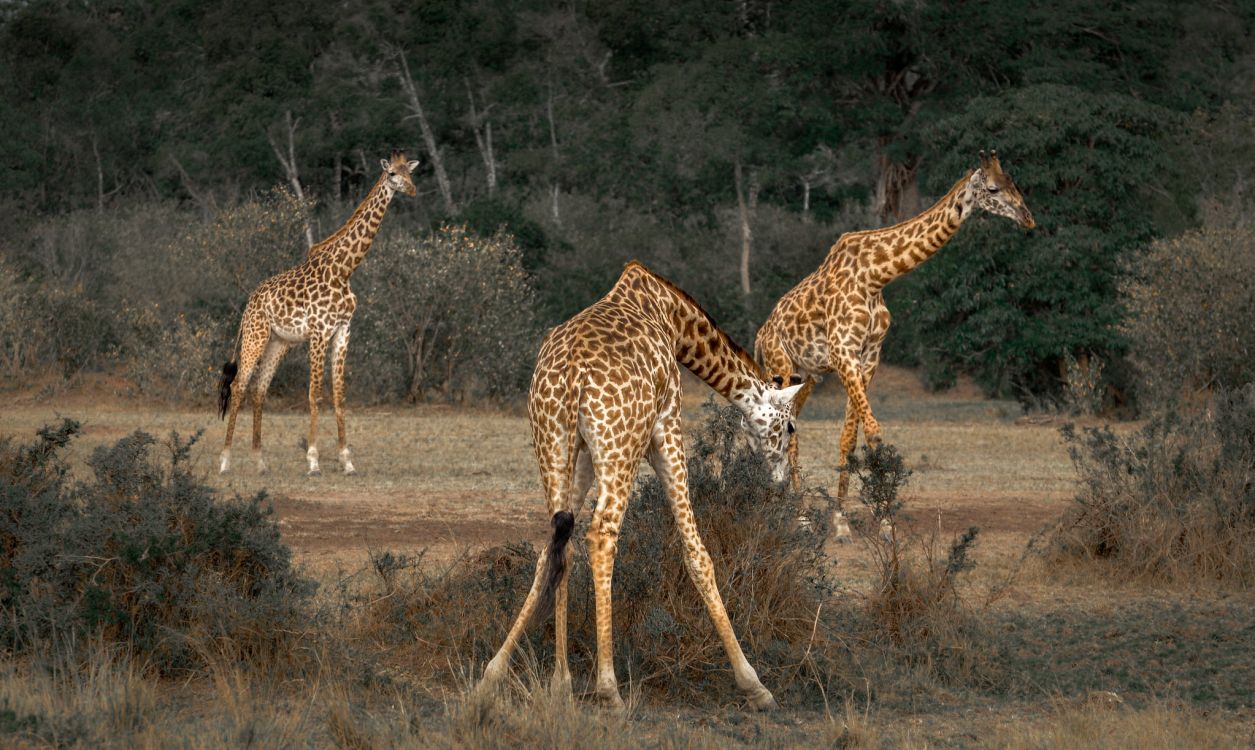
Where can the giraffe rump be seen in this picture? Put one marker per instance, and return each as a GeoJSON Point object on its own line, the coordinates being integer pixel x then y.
{"type": "Point", "coordinates": [555, 562]}
{"type": "Point", "coordinates": [224, 387]}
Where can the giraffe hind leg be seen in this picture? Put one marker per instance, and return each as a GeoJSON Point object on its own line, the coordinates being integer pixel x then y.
{"type": "Point", "coordinates": [251, 346]}
{"type": "Point", "coordinates": [317, 360]}
{"type": "Point", "coordinates": [266, 367]}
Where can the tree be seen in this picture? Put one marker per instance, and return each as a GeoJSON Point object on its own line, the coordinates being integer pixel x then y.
{"type": "Point", "coordinates": [1007, 305]}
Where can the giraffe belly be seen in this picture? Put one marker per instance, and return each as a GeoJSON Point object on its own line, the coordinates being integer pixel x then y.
{"type": "Point", "coordinates": [293, 332]}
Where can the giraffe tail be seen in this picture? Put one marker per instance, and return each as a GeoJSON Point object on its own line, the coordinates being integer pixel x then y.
{"type": "Point", "coordinates": [224, 387]}
{"type": "Point", "coordinates": [555, 562]}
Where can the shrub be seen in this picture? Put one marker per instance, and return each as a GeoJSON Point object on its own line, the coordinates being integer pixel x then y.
{"type": "Point", "coordinates": [450, 314]}
{"type": "Point", "coordinates": [20, 351]}
{"type": "Point", "coordinates": [914, 608]}
{"type": "Point", "coordinates": [143, 554]}
{"type": "Point", "coordinates": [1186, 290]}
{"type": "Point", "coordinates": [1173, 501]}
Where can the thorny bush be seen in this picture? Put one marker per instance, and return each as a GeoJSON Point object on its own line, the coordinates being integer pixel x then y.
{"type": "Point", "coordinates": [143, 554]}
{"type": "Point", "coordinates": [1174, 501]}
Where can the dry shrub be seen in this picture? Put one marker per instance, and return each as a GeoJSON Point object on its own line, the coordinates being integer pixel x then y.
{"type": "Point", "coordinates": [916, 614]}
{"type": "Point", "coordinates": [144, 554]}
{"type": "Point", "coordinates": [1190, 289]}
{"type": "Point", "coordinates": [1174, 501]}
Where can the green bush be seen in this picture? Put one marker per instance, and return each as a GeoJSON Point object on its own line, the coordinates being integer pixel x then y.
{"type": "Point", "coordinates": [450, 315]}
{"type": "Point", "coordinates": [1191, 315]}
{"type": "Point", "coordinates": [143, 554]}
{"type": "Point", "coordinates": [1173, 501]}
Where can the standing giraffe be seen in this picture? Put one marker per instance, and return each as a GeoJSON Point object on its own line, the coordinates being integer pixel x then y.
{"type": "Point", "coordinates": [313, 302]}
{"type": "Point", "coordinates": [835, 319]}
{"type": "Point", "coordinates": [605, 393]}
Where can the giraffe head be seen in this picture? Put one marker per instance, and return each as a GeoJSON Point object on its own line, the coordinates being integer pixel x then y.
{"type": "Point", "coordinates": [995, 191]}
{"type": "Point", "coordinates": [767, 419]}
{"type": "Point", "coordinates": [398, 172]}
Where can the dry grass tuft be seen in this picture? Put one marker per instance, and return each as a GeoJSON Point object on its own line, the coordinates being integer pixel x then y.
{"type": "Point", "coordinates": [1158, 726]}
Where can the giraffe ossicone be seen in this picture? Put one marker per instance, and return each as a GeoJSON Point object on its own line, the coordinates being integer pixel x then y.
{"type": "Point", "coordinates": [309, 302]}
{"type": "Point", "coordinates": [605, 394]}
{"type": "Point", "coordinates": [835, 319]}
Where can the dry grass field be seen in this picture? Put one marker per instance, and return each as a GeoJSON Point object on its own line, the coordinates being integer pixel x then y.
{"type": "Point", "coordinates": [1079, 662]}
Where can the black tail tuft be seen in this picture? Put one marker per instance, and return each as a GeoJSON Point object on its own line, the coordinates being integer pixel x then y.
{"type": "Point", "coordinates": [224, 387]}
{"type": "Point", "coordinates": [555, 562]}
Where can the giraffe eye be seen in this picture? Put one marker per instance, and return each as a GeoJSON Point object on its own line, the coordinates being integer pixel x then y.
{"type": "Point", "coordinates": [993, 188]}
{"type": "Point", "coordinates": [791, 428]}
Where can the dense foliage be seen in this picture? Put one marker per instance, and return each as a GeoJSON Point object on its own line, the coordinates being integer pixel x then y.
{"type": "Point", "coordinates": [1191, 319]}
{"type": "Point", "coordinates": [687, 134]}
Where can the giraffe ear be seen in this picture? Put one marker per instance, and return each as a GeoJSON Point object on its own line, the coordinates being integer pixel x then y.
{"type": "Point", "coordinates": [413, 165]}
{"type": "Point", "coordinates": [387, 166]}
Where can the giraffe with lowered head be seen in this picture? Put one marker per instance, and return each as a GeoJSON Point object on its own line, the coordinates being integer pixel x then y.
{"type": "Point", "coordinates": [310, 302]}
{"type": "Point", "coordinates": [835, 319]}
{"type": "Point", "coordinates": [604, 395]}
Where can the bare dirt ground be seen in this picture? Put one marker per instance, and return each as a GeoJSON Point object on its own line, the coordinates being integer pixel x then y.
{"type": "Point", "coordinates": [446, 479]}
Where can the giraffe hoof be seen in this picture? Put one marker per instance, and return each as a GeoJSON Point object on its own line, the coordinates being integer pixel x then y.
{"type": "Point", "coordinates": [844, 539]}
{"type": "Point", "coordinates": [612, 702]}
{"type": "Point", "coordinates": [763, 700]}
{"type": "Point", "coordinates": [315, 472]}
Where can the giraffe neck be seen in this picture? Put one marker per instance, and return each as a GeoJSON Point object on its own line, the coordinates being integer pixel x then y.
{"type": "Point", "coordinates": [700, 346]}
{"type": "Point", "coordinates": [893, 251]}
{"type": "Point", "coordinates": [347, 248]}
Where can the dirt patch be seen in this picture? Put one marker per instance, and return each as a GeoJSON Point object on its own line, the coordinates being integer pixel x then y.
{"type": "Point", "coordinates": [346, 527]}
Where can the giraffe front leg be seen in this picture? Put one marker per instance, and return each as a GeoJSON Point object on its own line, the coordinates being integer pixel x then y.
{"type": "Point", "coordinates": [317, 357]}
{"type": "Point", "coordinates": [667, 458]}
{"type": "Point", "coordinates": [339, 352]}
{"type": "Point", "coordinates": [849, 436]}
{"type": "Point", "coordinates": [795, 473]}
{"type": "Point", "coordinates": [857, 411]}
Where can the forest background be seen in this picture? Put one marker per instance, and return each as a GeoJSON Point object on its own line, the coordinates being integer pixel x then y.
{"type": "Point", "coordinates": [161, 159]}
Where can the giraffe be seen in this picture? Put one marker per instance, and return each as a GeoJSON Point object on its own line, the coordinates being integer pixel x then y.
{"type": "Point", "coordinates": [604, 394]}
{"type": "Point", "coordinates": [310, 302]}
{"type": "Point", "coordinates": [835, 319]}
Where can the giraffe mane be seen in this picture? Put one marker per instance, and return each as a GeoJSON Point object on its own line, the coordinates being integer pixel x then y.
{"type": "Point", "coordinates": [953, 189]}
{"type": "Point", "coordinates": [667, 284]}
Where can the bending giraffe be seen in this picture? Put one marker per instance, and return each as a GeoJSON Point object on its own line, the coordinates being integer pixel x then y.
{"type": "Point", "coordinates": [835, 319]}
{"type": "Point", "coordinates": [311, 302]}
{"type": "Point", "coordinates": [605, 393]}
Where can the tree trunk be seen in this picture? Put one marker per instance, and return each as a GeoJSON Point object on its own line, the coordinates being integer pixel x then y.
{"type": "Point", "coordinates": [100, 176]}
{"type": "Point", "coordinates": [481, 126]}
{"type": "Point", "coordinates": [897, 190]}
{"type": "Point", "coordinates": [746, 203]}
{"type": "Point", "coordinates": [429, 138]}
{"type": "Point", "coordinates": [288, 161]}
{"type": "Point", "coordinates": [556, 188]}
{"type": "Point", "coordinates": [806, 199]}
